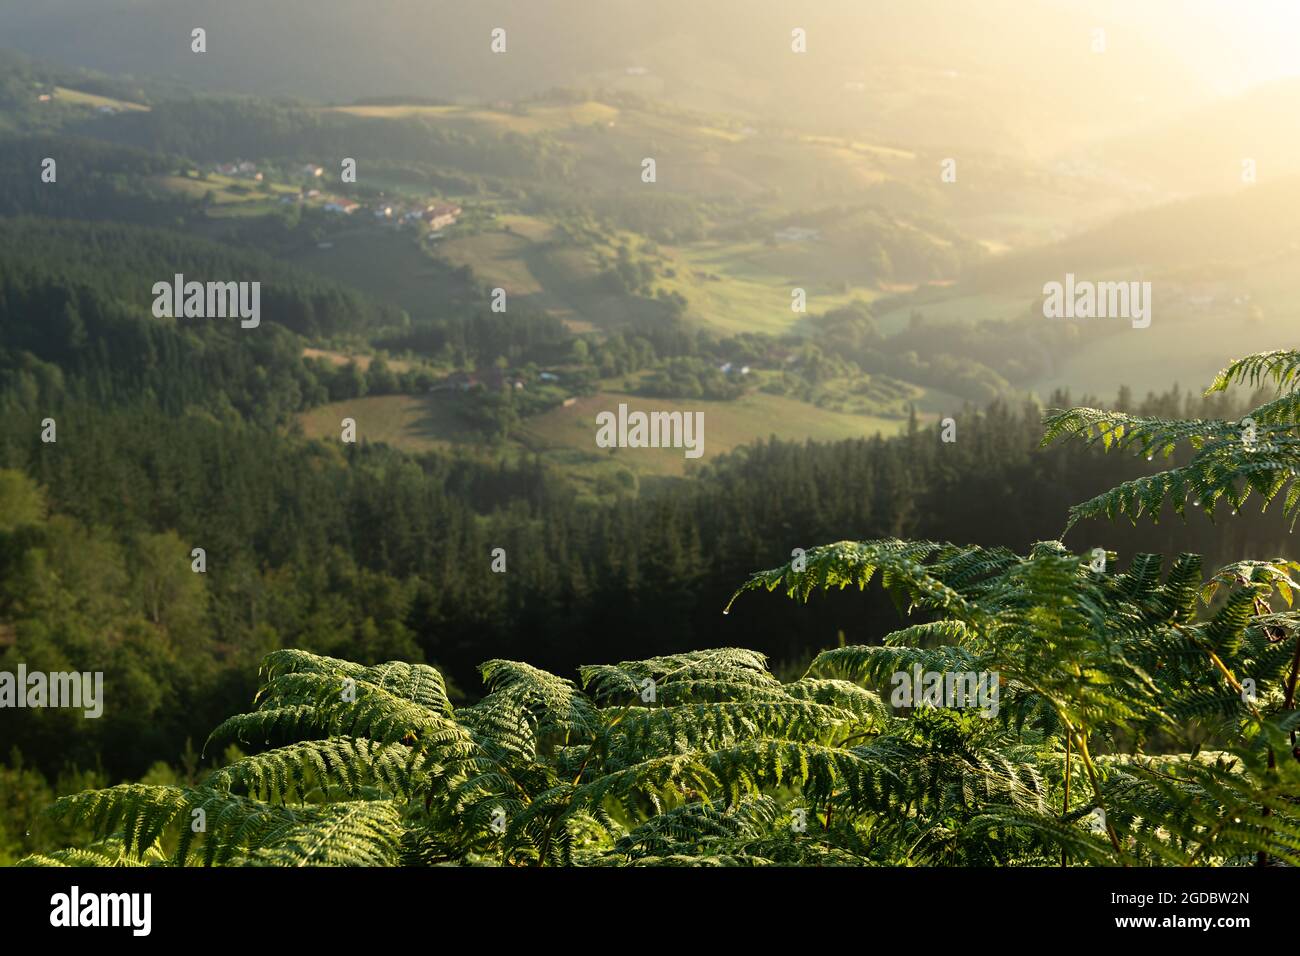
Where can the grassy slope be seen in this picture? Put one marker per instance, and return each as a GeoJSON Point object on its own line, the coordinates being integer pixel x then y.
{"type": "Point", "coordinates": [414, 423]}
{"type": "Point", "coordinates": [538, 119]}
{"type": "Point", "coordinates": [746, 286]}
{"type": "Point", "coordinates": [568, 435]}
{"type": "Point", "coordinates": [727, 425]}
{"type": "Point", "coordinates": [77, 98]}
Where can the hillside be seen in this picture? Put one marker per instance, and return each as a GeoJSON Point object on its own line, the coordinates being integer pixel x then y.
{"type": "Point", "coordinates": [735, 58]}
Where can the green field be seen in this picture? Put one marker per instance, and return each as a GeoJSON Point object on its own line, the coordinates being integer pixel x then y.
{"type": "Point", "coordinates": [727, 425]}
{"type": "Point", "coordinates": [230, 195]}
{"type": "Point", "coordinates": [412, 422]}
{"type": "Point", "coordinates": [77, 98]}
{"type": "Point", "coordinates": [747, 286]}
{"type": "Point", "coordinates": [567, 436]}
{"type": "Point", "coordinates": [531, 120]}
{"type": "Point", "coordinates": [498, 258]}
{"type": "Point", "coordinates": [537, 268]}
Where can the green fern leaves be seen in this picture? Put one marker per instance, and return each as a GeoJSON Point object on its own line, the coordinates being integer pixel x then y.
{"type": "Point", "coordinates": [1230, 461]}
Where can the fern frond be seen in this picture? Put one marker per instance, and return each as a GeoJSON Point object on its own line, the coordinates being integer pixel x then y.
{"type": "Point", "coordinates": [1280, 366]}
{"type": "Point", "coordinates": [354, 833]}
{"type": "Point", "coordinates": [298, 770]}
{"type": "Point", "coordinates": [104, 853]}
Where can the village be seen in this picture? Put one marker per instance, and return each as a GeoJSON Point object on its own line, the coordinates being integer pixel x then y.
{"type": "Point", "coordinates": [429, 215]}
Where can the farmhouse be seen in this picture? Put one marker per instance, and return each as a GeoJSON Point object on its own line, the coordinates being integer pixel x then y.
{"type": "Point", "coordinates": [439, 217]}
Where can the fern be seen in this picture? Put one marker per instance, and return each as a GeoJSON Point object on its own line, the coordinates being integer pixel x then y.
{"type": "Point", "coordinates": [1259, 455]}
